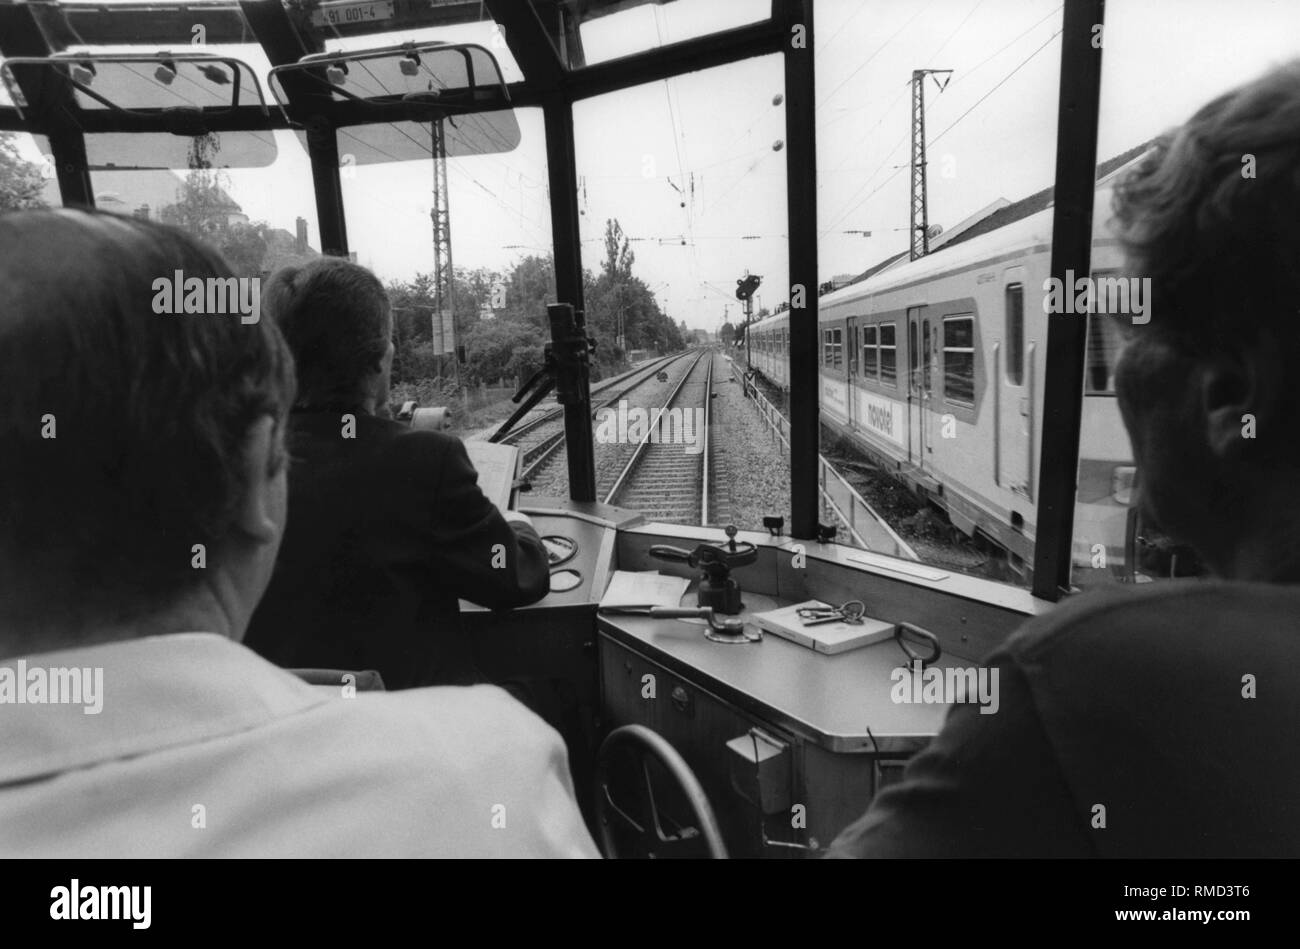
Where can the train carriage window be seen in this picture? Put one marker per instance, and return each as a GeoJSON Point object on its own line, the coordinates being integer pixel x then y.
{"type": "Point", "coordinates": [1015, 334]}
{"type": "Point", "coordinates": [1105, 340]}
{"type": "Point", "coordinates": [888, 354]}
{"type": "Point", "coordinates": [646, 256]}
{"type": "Point", "coordinates": [1183, 71]}
{"type": "Point", "coordinates": [27, 177]}
{"type": "Point", "coordinates": [837, 349]}
{"type": "Point", "coordinates": [261, 216]}
{"type": "Point", "coordinates": [959, 359]}
{"type": "Point", "coordinates": [870, 354]}
{"type": "Point", "coordinates": [608, 31]}
{"type": "Point", "coordinates": [927, 357]}
{"type": "Point", "coordinates": [496, 270]}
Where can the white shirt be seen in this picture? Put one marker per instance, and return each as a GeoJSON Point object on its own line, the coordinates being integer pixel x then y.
{"type": "Point", "coordinates": [204, 749]}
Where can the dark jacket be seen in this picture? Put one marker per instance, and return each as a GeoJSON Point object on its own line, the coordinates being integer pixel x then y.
{"type": "Point", "coordinates": [1147, 723]}
{"type": "Point", "coordinates": [385, 531]}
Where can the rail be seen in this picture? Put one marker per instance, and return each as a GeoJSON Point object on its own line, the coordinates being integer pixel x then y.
{"type": "Point", "coordinates": [708, 424]}
{"type": "Point", "coordinates": [535, 456]}
{"type": "Point", "coordinates": [651, 429]}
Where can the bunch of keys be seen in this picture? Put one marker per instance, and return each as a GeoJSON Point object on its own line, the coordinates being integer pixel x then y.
{"type": "Point", "coordinates": [850, 612]}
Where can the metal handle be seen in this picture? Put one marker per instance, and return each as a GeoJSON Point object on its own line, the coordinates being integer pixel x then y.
{"type": "Point", "coordinates": [681, 612]}
{"type": "Point", "coordinates": [674, 554]}
{"type": "Point", "coordinates": [935, 649]}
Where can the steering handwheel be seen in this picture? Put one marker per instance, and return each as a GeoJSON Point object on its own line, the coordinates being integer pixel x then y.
{"type": "Point", "coordinates": [650, 838]}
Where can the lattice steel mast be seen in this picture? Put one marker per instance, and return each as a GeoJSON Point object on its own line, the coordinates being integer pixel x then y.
{"type": "Point", "coordinates": [920, 213]}
{"type": "Point", "coordinates": [444, 305]}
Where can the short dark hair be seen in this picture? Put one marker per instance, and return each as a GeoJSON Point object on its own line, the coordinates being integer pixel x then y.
{"type": "Point", "coordinates": [148, 415]}
{"type": "Point", "coordinates": [335, 316]}
{"type": "Point", "coordinates": [1222, 247]}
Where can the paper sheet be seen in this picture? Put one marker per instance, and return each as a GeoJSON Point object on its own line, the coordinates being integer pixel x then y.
{"type": "Point", "coordinates": [628, 589]}
{"type": "Point", "coordinates": [497, 466]}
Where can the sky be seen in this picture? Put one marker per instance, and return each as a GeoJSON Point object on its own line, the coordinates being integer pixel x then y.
{"type": "Point", "coordinates": [694, 167]}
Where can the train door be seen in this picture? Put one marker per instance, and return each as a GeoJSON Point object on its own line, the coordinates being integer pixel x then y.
{"type": "Point", "coordinates": [918, 383]}
{"type": "Point", "coordinates": [928, 348]}
{"type": "Point", "coordinates": [1015, 404]}
{"type": "Point", "coordinates": [851, 362]}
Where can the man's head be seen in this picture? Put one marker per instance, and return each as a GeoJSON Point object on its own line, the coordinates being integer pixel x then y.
{"type": "Point", "coordinates": [1208, 388]}
{"type": "Point", "coordinates": [336, 318]}
{"type": "Point", "coordinates": [142, 468]}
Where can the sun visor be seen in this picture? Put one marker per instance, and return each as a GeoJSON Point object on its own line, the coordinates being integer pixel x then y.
{"type": "Point", "coordinates": [450, 75]}
{"type": "Point", "coordinates": [188, 83]}
{"type": "Point", "coordinates": [122, 151]}
{"type": "Point", "coordinates": [477, 133]}
{"type": "Point", "coordinates": [161, 103]}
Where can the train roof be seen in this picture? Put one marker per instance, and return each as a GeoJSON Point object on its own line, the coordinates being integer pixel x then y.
{"type": "Point", "coordinates": [1024, 223]}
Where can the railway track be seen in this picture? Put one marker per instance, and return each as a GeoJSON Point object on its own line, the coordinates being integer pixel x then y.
{"type": "Point", "coordinates": [540, 438]}
{"type": "Point", "coordinates": [666, 475]}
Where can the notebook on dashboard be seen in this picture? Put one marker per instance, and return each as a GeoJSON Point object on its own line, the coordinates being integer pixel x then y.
{"type": "Point", "coordinates": [829, 638]}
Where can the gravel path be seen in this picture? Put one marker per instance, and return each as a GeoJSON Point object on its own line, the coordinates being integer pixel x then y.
{"type": "Point", "coordinates": [752, 465]}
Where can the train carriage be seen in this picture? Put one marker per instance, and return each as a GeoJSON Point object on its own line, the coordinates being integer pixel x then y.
{"type": "Point", "coordinates": [934, 367]}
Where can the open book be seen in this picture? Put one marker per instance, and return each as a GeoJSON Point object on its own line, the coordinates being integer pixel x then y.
{"type": "Point", "coordinates": [498, 468]}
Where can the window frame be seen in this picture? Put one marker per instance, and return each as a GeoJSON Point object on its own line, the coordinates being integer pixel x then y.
{"type": "Point", "coordinates": [833, 347]}
{"type": "Point", "coordinates": [892, 348]}
{"type": "Point", "coordinates": [1089, 336]}
{"type": "Point", "coordinates": [1015, 340]}
{"type": "Point", "coordinates": [965, 350]}
{"type": "Point", "coordinates": [871, 342]}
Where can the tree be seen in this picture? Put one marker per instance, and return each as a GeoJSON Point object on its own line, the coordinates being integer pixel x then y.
{"type": "Point", "coordinates": [618, 252]}
{"type": "Point", "coordinates": [511, 344]}
{"type": "Point", "coordinates": [21, 181]}
{"type": "Point", "coordinates": [502, 349]}
{"type": "Point", "coordinates": [526, 291]}
{"type": "Point", "coordinates": [727, 333]}
{"type": "Point", "coordinates": [203, 208]}
{"type": "Point", "coordinates": [616, 298]}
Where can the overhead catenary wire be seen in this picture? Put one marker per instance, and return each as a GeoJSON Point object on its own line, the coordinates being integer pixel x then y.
{"type": "Point", "coordinates": [854, 207]}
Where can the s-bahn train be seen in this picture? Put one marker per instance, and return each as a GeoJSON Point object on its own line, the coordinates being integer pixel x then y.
{"type": "Point", "coordinates": [935, 367]}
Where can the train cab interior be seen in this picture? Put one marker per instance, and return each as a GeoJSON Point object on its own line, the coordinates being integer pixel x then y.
{"type": "Point", "coordinates": [691, 731]}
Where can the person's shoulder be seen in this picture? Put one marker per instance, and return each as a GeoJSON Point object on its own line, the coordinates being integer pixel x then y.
{"type": "Point", "coordinates": [479, 717]}
{"type": "Point", "coordinates": [341, 428]}
{"type": "Point", "coordinates": [444, 764]}
{"type": "Point", "coordinates": [412, 446]}
{"type": "Point", "coordinates": [1170, 612]}
{"type": "Point", "coordinates": [476, 700]}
